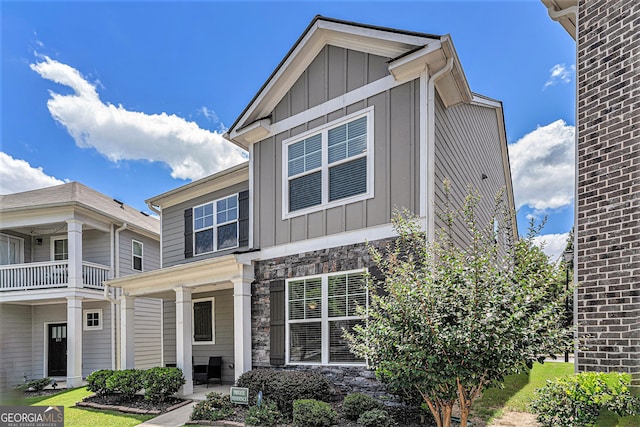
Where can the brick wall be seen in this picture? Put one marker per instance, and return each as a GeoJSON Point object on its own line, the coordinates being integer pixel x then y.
{"type": "Point", "coordinates": [608, 196]}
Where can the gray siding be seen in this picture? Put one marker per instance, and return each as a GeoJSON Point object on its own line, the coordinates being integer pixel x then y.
{"type": "Point", "coordinates": [467, 145]}
{"type": "Point", "coordinates": [173, 227]}
{"type": "Point", "coordinates": [15, 346]}
{"type": "Point", "coordinates": [223, 333]}
{"type": "Point", "coordinates": [396, 172]}
{"type": "Point", "coordinates": [150, 253]}
{"type": "Point", "coordinates": [96, 345]}
{"type": "Point", "coordinates": [148, 333]}
{"type": "Point", "coordinates": [95, 247]}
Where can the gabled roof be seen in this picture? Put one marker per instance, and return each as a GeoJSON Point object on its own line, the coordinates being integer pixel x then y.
{"type": "Point", "coordinates": [77, 194]}
{"type": "Point", "coordinates": [408, 52]}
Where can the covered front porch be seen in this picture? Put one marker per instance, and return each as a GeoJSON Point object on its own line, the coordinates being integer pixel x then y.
{"type": "Point", "coordinates": [206, 312]}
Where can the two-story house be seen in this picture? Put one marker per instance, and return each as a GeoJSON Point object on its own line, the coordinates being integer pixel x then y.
{"type": "Point", "coordinates": [57, 246]}
{"type": "Point", "coordinates": [263, 263]}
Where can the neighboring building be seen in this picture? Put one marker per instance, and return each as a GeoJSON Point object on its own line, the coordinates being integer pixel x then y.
{"type": "Point", "coordinates": [608, 181]}
{"type": "Point", "coordinates": [57, 247]}
{"type": "Point", "coordinates": [263, 262]}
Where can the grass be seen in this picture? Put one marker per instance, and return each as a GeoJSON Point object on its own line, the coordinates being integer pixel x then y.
{"type": "Point", "coordinates": [81, 417]}
{"type": "Point", "coordinates": [519, 390]}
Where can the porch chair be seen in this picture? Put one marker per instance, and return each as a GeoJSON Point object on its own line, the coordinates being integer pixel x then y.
{"type": "Point", "coordinates": [205, 373]}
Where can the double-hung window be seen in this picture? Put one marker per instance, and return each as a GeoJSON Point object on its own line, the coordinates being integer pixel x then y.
{"type": "Point", "coordinates": [136, 255]}
{"type": "Point", "coordinates": [319, 308]}
{"type": "Point", "coordinates": [215, 225]}
{"type": "Point", "coordinates": [59, 248]}
{"type": "Point", "coordinates": [329, 165]}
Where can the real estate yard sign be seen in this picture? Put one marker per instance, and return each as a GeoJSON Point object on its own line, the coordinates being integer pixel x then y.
{"type": "Point", "coordinates": [239, 395]}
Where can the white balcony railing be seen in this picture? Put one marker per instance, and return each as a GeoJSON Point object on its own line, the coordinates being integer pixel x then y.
{"type": "Point", "coordinates": [55, 274]}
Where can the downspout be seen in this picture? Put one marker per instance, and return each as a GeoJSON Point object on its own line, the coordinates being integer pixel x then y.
{"type": "Point", "coordinates": [431, 144]}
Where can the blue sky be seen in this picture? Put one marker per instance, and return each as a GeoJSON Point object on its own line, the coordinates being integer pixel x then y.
{"type": "Point", "coordinates": [130, 98]}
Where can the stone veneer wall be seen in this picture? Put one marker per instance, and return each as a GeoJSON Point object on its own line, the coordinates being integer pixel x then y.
{"type": "Point", "coordinates": [330, 260]}
{"type": "Point", "coordinates": [608, 196]}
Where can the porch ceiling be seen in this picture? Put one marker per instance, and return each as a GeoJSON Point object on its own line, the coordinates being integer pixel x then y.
{"type": "Point", "coordinates": [210, 274]}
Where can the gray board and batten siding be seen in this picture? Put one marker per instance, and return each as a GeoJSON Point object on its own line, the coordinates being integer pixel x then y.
{"type": "Point", "coordinates": [173, 227]}
{"type": "Point", "coordinates": [332, 73]}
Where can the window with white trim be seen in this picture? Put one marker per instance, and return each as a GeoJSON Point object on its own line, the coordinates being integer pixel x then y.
{"type": "Point", "coordinates": [92, 320]}
{"type": "Point", "coordinates": [318, 309]}
{"type": "Point", "coordinates": [136, 255]}
{"type": "Point", "coordinates": [203, 326]}
{"type": "Point", "coordinates": [215, 225]}
{"type": "Point", "coordinates": [329, 165]}
{"type": "Point", "coordinates": [11, 250]}
{"type": "Point", "coordinates": [59, 248]}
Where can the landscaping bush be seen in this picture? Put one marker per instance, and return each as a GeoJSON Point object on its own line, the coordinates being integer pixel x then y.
{"type": "Point", "coordinates": [35, 385]}
{"type": "Point", "coordinates": [375, 418]}
{"type": "Point", "coordinates": [267, 414]}
{"type": "Point", "coordinates": [356, 404]}
{"type": "Point", "coordinates": [576, 400]}
{"type": "Point", "coordinates": [313, 413]}
{"type": "Point", "coordinates": [127, 382]}
{"type": "Point", "coordinates": [160, 383]}
{"type": "Point", "coordinates": [97, 381]}
{"type": "Point", "coordinates": [215, 407]}
{"type": "Point", "coordinates": [283, 387]}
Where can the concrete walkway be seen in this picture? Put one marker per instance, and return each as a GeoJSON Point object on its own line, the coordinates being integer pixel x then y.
{"type": "Point", "coordinates": [178, 417]}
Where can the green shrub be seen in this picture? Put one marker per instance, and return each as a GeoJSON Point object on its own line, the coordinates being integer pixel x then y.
{"type": "Point", "coordinates": [355, 404]}
{"type": "Point", "coordinates": [215, 407]}
{"type": "Point", "coordinates": [126, 382]}
{"type": "Point", "coordinates": [97, 381]}
{"type": "Point", "coordinates": [313, 413]}
{"type": "Point", "coordinates": [267, 414]}
{"type": "Point", "coordinates": [375, 418]}
{"type": "Point", "coordinates": [576, 400]}
{"type": "Point", "coordinates": [35, 385]}
{"type": "Point", "coordinates": [283, 387]}
{"type": "Point", "coordinates": [160, 383]}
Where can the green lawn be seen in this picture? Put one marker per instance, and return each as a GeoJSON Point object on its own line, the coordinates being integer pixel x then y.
{"type": "Point", "coordinates": [519, 390]}
{"type": "Point", "coordinates": [82, 417]}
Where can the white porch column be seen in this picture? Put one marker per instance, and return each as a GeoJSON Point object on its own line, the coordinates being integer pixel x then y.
{"type": "Point", "coordinates": [74, 238]}
{"type": "Point", "coordinates": [127, 332]}
{"type": "Point", "coordinates": [184, 314]}
{"type": "Point", "coordinates": [242, 321]}
{"type": "Point", "coordinates": [74, 342]}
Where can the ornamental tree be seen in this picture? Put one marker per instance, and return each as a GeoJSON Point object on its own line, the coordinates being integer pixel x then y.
{"type": "Point", "coordinates": [453, 320]}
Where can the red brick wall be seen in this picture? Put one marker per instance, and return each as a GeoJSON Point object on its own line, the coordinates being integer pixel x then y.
{"type": "Point", "coordinates": [608, 196]}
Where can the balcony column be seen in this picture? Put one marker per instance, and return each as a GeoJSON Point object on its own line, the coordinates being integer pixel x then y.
{"type": "Point", "coordinates": [184, 314]}
{"type": "Point", "coordinates": [242, 321]}
{"type": "Point", "coordinates": [74, 236]}
{"type": "Point", "coordinates": [74, 342]}
{"type": "Point", "coordinates": [127, 332]}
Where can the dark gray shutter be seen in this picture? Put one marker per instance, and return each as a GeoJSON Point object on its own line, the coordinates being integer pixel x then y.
{"type": "Point", "coordinates": [188, 233]}
{"type": "Point", "coordinates": [202, 322]}
{"type": "Point", "coordinates": [243, 218]}
{"type": "Point", "coordinates": [277, 325]}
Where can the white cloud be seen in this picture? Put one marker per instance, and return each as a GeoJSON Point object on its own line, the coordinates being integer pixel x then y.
{"type": "Point", "coordinates": [560, 73]}
{"type": "Point", "coordinates": [542, 167]}
{"type": "Point", "coordinates": [120, 134]}
{"type": "Point", "coordinates": [18, 175]}
{"type": "Point", "coordinates": [552, 244]}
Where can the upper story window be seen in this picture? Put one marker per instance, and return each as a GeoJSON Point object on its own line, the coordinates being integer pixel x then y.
{"type": "Point", "coordinates": [215, 225]}
{"type": "Point", "coordinates": [318, 309]}
{"type": "Point", "coordinates": [59, 248]}
{"type": "Point", "coordinates": [136, 255]}
{"type": "Point", "coordinates": [329, 165]}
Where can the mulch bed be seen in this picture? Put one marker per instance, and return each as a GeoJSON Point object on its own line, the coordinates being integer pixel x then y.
{"type": "Point", "coordinates": [137, 405]}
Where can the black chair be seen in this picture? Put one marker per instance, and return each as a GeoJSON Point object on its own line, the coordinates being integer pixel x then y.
{"type": "Point", "coordinates": [204, 373]}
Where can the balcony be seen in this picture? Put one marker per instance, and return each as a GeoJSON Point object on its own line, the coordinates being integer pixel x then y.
{"type": "Point", "coordinates": [55, 274]}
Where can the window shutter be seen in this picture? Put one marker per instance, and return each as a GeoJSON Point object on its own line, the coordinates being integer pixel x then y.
{"type": "Point", "coordinates": [202, 312]}
{"type": "Point", "coordinates": [243, 218]}
{"type": "Point", "coordinates": [188, 233]}
{"type": "Point", "coordinates": [277, 326]}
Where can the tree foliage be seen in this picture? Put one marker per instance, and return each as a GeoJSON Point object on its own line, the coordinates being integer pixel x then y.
{"type": "Point", "coordinates": [455, 319]}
